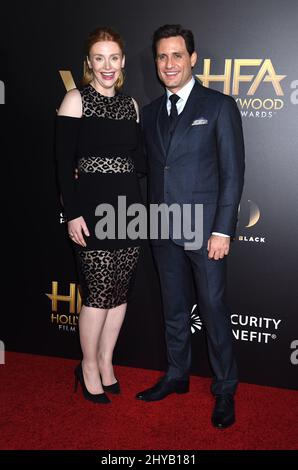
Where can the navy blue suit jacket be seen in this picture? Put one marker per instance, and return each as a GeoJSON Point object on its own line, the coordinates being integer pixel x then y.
{"type": "Point", "coordinates": [205, 160]}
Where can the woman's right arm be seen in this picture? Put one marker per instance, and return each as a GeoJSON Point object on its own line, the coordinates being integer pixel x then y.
{"type": "Point", "coordinates": [67, 129]}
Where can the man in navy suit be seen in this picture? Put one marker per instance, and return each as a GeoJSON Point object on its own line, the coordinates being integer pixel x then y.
{"type": "Point", "coordinates": [195, 150]}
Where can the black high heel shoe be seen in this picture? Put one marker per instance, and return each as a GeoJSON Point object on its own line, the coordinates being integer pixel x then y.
{"type": "Point", "coordinates": [95, 398]}
{"type": "Point", "coordinates": [114, 388]}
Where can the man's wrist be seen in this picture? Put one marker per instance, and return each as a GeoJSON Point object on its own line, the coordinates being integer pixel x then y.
{"type": "Point", "coordinates": [221, 234]}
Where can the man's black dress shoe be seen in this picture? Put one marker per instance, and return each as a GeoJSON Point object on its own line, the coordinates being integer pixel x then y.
{"type": "Point", "coordinates": [164, 388]}
{"type": "Point", "coordinates": [223, 414]}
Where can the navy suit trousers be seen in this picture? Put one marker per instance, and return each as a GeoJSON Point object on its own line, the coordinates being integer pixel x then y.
{"type": "Point", "coordinates": [177, 269]}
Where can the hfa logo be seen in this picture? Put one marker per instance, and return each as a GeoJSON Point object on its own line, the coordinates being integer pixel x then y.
{"type": "Point", "coordinates": [265, 73]}
{"type": "Point", "coordinates": [237, 80]}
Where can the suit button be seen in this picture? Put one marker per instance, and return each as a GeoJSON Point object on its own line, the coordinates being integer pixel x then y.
{"type": "Point", "coordinates": [167, 167]}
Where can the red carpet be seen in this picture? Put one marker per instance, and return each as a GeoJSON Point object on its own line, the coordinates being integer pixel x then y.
{"type": "Point", "coordinates": [40, 411]}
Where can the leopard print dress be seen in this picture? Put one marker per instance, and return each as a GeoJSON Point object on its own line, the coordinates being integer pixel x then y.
{"type": "Point", "coordinates": [106, 146]}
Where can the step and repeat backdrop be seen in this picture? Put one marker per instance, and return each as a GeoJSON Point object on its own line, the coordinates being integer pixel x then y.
{"type": "Point", "coordinates": [247, 50]}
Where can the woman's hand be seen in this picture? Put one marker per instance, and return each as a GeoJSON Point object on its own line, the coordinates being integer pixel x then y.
{"type": "Point", "coordinates": [76, 228]}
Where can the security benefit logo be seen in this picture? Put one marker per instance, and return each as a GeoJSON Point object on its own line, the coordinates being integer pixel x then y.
{"type": "Point", "coordinates": [256, 84]}
{"type": "Point", "coordinates": [248, 328]}
{"type": "Point", "coordinates": [196, 323]}
{"type": "Point", "coordinates": [251, 328]}
{"type": "Point", "coordinates": [66, 304]}
{"type": "Point", "coordinates": [249, 215]}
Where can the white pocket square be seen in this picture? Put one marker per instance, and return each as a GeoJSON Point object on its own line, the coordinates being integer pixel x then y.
{"type": "Point", "coordinates": [199, 122]}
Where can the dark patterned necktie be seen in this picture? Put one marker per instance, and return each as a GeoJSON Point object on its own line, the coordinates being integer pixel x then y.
{"type": "Point", "coordinates": [173, 113]}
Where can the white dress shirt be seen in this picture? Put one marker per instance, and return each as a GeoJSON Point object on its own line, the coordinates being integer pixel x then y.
{"type": "Point", "coordinates": [183, 94]}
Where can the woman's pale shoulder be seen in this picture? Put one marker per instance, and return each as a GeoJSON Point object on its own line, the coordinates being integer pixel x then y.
{"type": "Point", "coordinates": [71, 104]}
{"type": "Point", "coordinates": [73, 95]}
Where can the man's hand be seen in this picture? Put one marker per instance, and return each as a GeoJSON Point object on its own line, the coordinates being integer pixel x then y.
{"type": "Point", "coordinates": [76, 228]}
{"type": "Point", "coordinates": [218, 247]}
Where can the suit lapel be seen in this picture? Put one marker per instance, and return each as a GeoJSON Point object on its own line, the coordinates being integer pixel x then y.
{"type": "Point", "coordinates": [161, 124]}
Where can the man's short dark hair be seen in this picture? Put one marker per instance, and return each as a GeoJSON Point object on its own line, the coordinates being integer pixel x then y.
{"type": "Point", "coordinates": [172, 30]}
